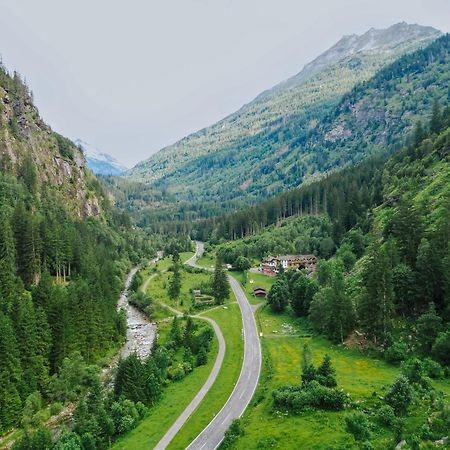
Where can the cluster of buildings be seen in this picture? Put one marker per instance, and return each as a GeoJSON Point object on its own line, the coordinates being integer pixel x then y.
{"type": "Point", "coordinates": [270, 265]}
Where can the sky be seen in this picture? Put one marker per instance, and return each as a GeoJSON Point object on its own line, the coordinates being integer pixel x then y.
{"type": "Point", "coordinates": [131, 77]}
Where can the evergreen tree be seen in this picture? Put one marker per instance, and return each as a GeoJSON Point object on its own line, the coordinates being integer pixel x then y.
{"type": "Point", "coordinates": [176, 334]}
{"type": "Point", "coordinates": [10, 376]}
{"type": "Point", "coordinates": [175, 282]}
{"type": "Point", "coordinates": [220, 285]}
{"type": "Point", "coordinates": [302, 290]}
{"type": "Point", "coordinates": [306, 357]}
{"type": "Point", "coordinates": [376, 305]}
{"type": "Point", "coordinates": [436, 118]}
{"type": "Point", "coordinates": [188, 335]}
{"type": "Point", "coordinates": [326, 374]}
{"type": "Point", "coordinates": [278, 296]}
{"type": "Point", "coordinates": [332, 311]}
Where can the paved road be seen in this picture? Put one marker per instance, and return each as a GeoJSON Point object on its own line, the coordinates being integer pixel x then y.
{"type": "Point", "coordinates": [212, 435]}
{"type": "Point", "coordinates": [184, 416]}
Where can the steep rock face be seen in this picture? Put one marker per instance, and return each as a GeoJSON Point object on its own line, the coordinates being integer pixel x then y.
{"type": "Point", "coordinates": [60, 166]}
{"type": "Point", "coordinates": [292, 107]}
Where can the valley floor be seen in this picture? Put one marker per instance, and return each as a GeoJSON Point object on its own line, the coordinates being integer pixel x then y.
{"type": "Point", "coordinates": [361, 376]}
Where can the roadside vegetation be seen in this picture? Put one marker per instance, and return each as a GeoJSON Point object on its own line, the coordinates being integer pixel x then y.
{"type": "Point", "coordinates": [378, 307]}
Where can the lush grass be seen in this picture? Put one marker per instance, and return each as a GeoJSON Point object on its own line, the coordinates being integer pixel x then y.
{"type": "Point", "coordinates": [207, 261]}
{"type": "Point", "coordinates": [363, 377]}
{"type": "Point", "coordinates": [251, 280]}
{"type": "Point", "coordinates": [230, 322]}
{"type": "Point", "coordinates": [158, 289]}
{"type": "Point", "coordinates": [174, 400]}
{"type": "Point", "coordinates": [178, 395]}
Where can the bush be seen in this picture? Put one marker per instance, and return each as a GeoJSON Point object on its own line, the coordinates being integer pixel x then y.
{"type": "Point", "coordinates": [386, 415]}
{"type": "Point", "coordinates": [55, 408]}
{"type": "Point", "coordinates": [414, 370]}
{"type": "Point", "coordinates": [234, 431]}
{"type": "Point", "coordinates": [441, 348]}
{"type": "Point", "coordinates": [396, 353]}
{"type": "Point", "coordinates": [202, 357]}
{"type": "Point", "coordinates": [176, 373]}
{"type": "Point", "coordinates": [312, 395]}
{"type": "Point", "coordinates": [358, 425]}
{"type": "Point", "coordinates": [433, 369]}
{"type": "Point", "coordinates": [400, 395]}
{"type": "Point", "coordinates": [242, 263]}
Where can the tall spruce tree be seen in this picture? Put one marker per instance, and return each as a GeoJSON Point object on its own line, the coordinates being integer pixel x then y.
{"type": "Point", "coordinates": [220, 285]}
{"type": "Point", "coordinates": [376, 306]}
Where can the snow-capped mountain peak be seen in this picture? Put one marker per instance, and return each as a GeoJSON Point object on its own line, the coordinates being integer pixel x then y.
{"type": "Point", "coordinates": [99, 162]}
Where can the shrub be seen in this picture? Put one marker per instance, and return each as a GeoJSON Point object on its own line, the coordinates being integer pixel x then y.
{"type": "Point", "coordinates": [400, 395]}
{"type": "Point", "coordinates": [386, 415]}
{"type": "Point", "coordinates": [396, 353]}
{"type": "Point", "coordinates": [312, 395]}
{"type": "Point", "coordinates": [433, 369]}
{"type": "Point", "coordinates": [202, 357]}
{"type": "Point", "coordinates": [358, 425]}
{"type": "Point", "coordinates": [414, 370]}
{"type": "Point", "coordinates": [55, 408]}
{"type": "Point", "coordinates": [441, 348]}
{"type": "Point", "coordinates": [234, 431]}
{"type": "Point", "coordinates": [176, 373]}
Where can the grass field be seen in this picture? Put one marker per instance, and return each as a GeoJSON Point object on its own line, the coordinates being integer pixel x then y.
{"type": "Point", "coordinates": [158, 289]}
{"type": "Point", "coordinates": [230, 322]}
{"type": "Point", "coordinates": [251, 280]}
{"type": "Point", "coordinates": [207, 261]}
{"type": "Point", "coordinates": [174, 400]}
{"type": "Point", "coordinates": [178, 395]}
{"type": "Point", "coordinates": [360, 376]}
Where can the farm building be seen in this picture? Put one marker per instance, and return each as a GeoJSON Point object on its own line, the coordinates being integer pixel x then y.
{"type": "Point", "coordinates": [259, 291]}
{"type": "Point", "coordinates": [270, 265]}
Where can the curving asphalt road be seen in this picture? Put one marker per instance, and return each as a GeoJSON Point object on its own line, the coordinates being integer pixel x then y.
{"type": "Point", "coordinates": [211, 437]}
{"type": "Point", "coordinates": [184, 416]}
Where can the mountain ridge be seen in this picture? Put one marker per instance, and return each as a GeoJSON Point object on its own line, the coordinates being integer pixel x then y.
{"type": "Point", "coordinates": [155, 167]}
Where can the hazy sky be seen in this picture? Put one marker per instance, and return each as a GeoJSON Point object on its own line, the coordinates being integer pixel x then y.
{"type": "Point", "coordinates": [133, 76]}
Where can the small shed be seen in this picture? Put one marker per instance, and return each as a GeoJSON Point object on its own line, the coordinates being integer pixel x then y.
{"type": "Point", "coordinates": [197, 292]}
{"type": "Point", "coordinates": [259, 291]}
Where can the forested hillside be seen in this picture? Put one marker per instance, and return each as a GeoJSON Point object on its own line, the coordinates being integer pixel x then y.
{"type": "Point", "coordinates": [381, 292]}
{"type": "Point", "coordinates": [26, 142]}
{"type": "Point", "coordinates": [63, 256]}
{"type": "Point", "coordinates": [347, 109]}
{"type": "Point", "coordinates": [386, 220]}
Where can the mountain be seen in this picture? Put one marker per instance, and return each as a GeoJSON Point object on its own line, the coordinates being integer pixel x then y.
{"type": "Point", "coordinates": [64, 253]}
{"type": "Point", "coordinates": [100, 162]}
{"type": "Point", "coordinates": [382, 233]}
{"type": "Point", "coordinates": [267, 146]}
{"type": "Point", "coordinates": [32, 151]}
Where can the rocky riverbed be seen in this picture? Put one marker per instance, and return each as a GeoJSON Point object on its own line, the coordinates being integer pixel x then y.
{"type": "Point", "coordinates": [140, 331]}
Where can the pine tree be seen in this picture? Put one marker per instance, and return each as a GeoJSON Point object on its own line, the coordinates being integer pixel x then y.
{"type": "Point", "coordinates": [188, 335]}
{"type": "Point", "coordinates": [175, 282]}
{"type": "Point", "coordinates": [8, 286]}
{"type": "Point", "coordinates": [376, 306]}
{"type": "Point", "coordinates": [10, 375]}
{"type": "Point", "coordinates": [436, 118]}
{"type": "Point", "coordinates": [306, 358]}
{"type": "Point", "coordinates": [220, 285]}
{"type": "Point", "coordinates": [175, 334]}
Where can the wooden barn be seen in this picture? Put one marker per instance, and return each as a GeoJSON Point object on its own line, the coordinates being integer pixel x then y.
{"type": "Point", "coordinates": [260, 292]}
